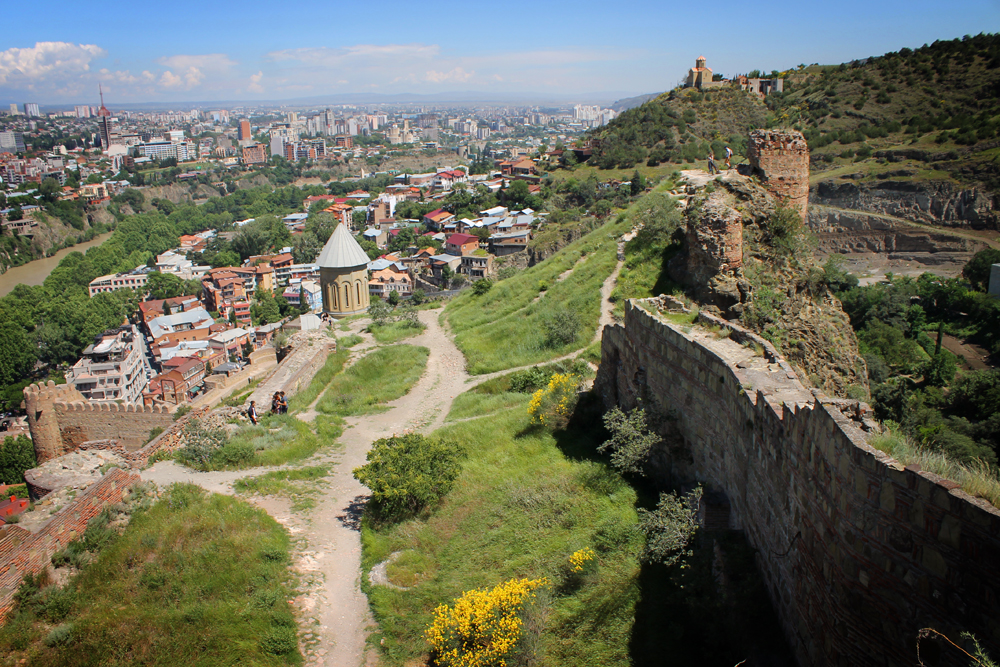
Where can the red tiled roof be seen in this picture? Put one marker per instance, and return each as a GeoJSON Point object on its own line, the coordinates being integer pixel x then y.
{"type": "Point", "coordinates": [462, 239]}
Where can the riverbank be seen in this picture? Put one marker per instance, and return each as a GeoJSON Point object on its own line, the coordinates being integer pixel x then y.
{"type": "Point", "coordinates": [35, 272]}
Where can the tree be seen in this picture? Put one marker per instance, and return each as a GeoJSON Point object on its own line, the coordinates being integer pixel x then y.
{"type": "Point", "coordinates": [446, 276]}
{"type": "Point", "coordinates": [638, 183]}
{"type": "Point", "coordinates": [418, 297]}
{"type": "Point", "coordinates": [482, 286]}
{"type": "Point", "coordinates": [16, 456]}
{"type": "Point", "coordinates": [379, 311]}
{"type": "Point", "coordinates": [303, 301]}
{"type": "Point", "coordinates": [15, 213]}
{"type": "Point", "coordinates": [393, 298]}
{"type": "Point", "coordinates": [670, 527]}
{"type": "Point", "coordinates": [631, 440]}
{"type": "Point", "coordinates": [406, 473]}
{"type": "Point", "coordinates": [17, 354]}
{"type": "Point", "coordinates": [977, 271]}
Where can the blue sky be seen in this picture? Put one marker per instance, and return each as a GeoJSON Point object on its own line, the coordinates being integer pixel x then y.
{"type": "Point", "coordinates": [253, 50]}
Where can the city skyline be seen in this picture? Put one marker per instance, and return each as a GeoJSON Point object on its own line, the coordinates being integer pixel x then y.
{"type": "Point", "coordinates": [556, 50]}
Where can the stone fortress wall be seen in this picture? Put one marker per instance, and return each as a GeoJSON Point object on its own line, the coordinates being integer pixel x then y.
{"type": "Point", "coordinates": [858, 552]}
{"type": "Point", "coordinates": [61, 419]}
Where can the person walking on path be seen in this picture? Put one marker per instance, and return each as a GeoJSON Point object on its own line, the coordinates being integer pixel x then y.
{"type": "Point", "coordinates": [282, 403]}
{"type": "Point", "coordinates": [729, 156]}
{"type": "Point", "coordinates": [252, 412]}
{"type": "Point", "coordinates": [712, 169]}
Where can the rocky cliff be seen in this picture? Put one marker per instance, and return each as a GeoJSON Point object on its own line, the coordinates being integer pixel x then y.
{"type": "Point", "coordinates": [938, 203]}
{"type": "Point", "coordinates": [852, 231]}
{"type": "Point", "coordinates": [730, 266]}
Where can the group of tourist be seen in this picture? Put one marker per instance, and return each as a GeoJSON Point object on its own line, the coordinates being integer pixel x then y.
{"type": "Point", "coordinates": [279, 405]}
{"type": "Point", "coordinates": [712, 169]}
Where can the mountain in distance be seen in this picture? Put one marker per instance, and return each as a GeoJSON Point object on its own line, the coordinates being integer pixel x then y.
{"type": "Point", "coordinates": [454, 98]}
{"type": "Point", "coordinates": [627, 103]}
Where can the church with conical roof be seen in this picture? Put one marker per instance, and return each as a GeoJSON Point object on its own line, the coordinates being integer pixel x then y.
{"type": "Point", "coordinates": [343, 274]}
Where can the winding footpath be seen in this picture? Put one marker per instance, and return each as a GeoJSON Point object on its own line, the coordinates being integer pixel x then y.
{"type": "Point", "coordinates": [336, 620]}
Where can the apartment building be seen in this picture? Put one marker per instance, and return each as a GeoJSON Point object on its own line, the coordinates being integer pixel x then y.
{"type": "Point", "coordinates": [112, 368]}
{"type": "Point", "coordinates": [135, 280]}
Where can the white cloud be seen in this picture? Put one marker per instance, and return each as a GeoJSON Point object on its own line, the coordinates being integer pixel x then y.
{"type": "Point", "coordinates": [255, 86]}
{"type": "Point", "coordinates": [209, 62]}
{"type": "Point", "coordinates": [170, 80]}
{"type": "Point", "coordinates": [458, 75]}
{"type": "Point", "coordinates": [45, 62]}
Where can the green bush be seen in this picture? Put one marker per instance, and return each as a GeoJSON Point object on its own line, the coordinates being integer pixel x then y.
{"type": "Point", "coordinates": [406, 473]}
{"type": "Point", "coordinates": [61, 634]}
{"type": "Point", "coordinates": [482, 286]}
{"type": "Point", "coordinates": [561, 328]}
{"type": "Point", "coordinates": [16, 456]}
{"type": "Point", "coordinates": [279, 641]}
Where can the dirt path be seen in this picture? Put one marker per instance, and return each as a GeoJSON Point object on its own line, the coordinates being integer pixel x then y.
{"type": "Point", "coordinates": [336, 616]}
{"type": "Point", "coordinates": [328, 538]}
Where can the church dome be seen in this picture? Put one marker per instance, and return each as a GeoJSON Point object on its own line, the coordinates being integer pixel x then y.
{"type": "Point", "coordinates": [342, 251]}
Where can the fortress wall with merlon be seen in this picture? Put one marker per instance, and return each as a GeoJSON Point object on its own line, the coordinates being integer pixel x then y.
{"type": "Point", "coordinates": [858, 553]}
{"type": "Point", "coordinates": [23, 552]}
{"type": "Point", "coordinates": [130, 425]}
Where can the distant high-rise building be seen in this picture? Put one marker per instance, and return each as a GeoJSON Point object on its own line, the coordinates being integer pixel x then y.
{"type": "Point", "coordinates": [104, 122]}
{"type": "Point", "coordinates": [244, 130]}
{"type": "Point", "coordinates": [82, 111]}
{"type": "Point", "coordinates": [31, 109]}
{"type": "Point", "coordinates": [11, 142]}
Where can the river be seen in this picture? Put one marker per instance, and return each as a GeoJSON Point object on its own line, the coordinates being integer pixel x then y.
{"type": "Point", "coordinates": [35, 273]}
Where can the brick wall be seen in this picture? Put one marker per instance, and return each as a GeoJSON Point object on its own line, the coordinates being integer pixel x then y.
{"type": "Point", "coordinates": [858, 553]}
{"type": "Point", "coordinates": [781, 161]}
{"type": "Point", "coordinates": [23, 552]}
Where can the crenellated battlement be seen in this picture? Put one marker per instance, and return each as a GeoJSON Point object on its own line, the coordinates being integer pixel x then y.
{"type": "Point", "coordinates": [104, 406]}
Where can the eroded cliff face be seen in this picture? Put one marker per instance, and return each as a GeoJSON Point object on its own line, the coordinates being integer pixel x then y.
{"type": "Point", "coordinates": [847, 231]}
{"type": "Point", "coordinates": [730, 267]}
{"type": "Point", "coordinates": [936, 203]}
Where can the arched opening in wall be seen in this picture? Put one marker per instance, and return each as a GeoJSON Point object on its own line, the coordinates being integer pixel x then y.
{"type": "Point", "coordinates": [331, 294]}
{"type": "Point", "coordinates": [347, 297]}
{"type": "Point", "coordinates": [357, 289]}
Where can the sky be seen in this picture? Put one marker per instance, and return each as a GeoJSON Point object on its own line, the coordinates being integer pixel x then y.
{"type": "Point", "coordinates": [203, 51]}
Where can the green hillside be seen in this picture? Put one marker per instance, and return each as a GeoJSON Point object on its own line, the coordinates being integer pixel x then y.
{"type": "Point", "coordinates": [935, 107]}
{"type": "Point", "coordinates": [925, 113]}
{"type": "Point", "coordinates": [678, 126]}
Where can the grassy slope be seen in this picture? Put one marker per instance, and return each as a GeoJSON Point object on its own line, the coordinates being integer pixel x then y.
{"type": "Point", "coordinates": [523, 503]}
{"type": "Point", "coordinates": [205, 579]}
{"type": "Point", "coordinates": [504, 328]}
{"type": "Point", "coordinates": [381, 376]}
{"type": "Point", "coordinates": [950, 87]}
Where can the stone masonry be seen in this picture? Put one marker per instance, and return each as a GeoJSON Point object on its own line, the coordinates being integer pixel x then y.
{"type": "Point", "coordinates": [714, 240]}
{"type": "Point", "coordinates": [781, 161]}
{"type": "Point", "coordinates": [61, 419]}
{"type": "Point", "coordinates": [857, 551]}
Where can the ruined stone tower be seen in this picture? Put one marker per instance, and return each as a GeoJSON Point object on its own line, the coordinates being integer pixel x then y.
{"type": "Point", "coordinates": [39, 402]}
{"type": "Point", "coordinates": [714, 240]}
{"type": "Point", "coordinates": [781, 161]}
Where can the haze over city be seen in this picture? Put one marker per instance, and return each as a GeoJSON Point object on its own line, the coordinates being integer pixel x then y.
{"type": "Point", "coordinates": [193, 51]}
